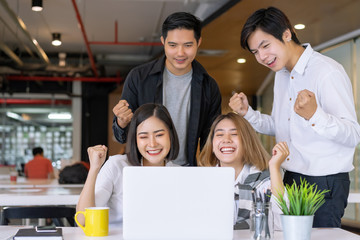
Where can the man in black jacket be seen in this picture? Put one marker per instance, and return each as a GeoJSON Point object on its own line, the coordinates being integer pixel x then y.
{"type": "Point", "coordinates": [177, 81]}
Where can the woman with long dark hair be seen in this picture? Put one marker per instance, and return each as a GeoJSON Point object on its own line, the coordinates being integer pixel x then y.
{"type": "Point", "coordinates": [151, 141]}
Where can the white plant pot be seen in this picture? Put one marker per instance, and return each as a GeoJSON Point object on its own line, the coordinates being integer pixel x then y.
{"type": "Point", "coordinates": [297, 227]}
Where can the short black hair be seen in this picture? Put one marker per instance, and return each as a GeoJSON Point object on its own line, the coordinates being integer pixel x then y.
{"type": "Point", "coordinates": [270, 20]}
{"type": "Point", "coordinates": [76, 173]}
{"type": "Point", "coordinates": [144, 112]}
{"type": "Point", "coordinates": [37, 150]}
{"type": "Point", "coordinates": [182, 20]}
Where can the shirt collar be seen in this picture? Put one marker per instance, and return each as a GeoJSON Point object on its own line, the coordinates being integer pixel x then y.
{"type": "Point", "coordinates": [304, 59]}
{"type": "Point", "coordinates": [197, 68]}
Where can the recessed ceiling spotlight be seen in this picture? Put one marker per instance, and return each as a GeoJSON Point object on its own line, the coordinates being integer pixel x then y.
{"type": "Point", "coordinates": [36, 5]}
{"type": "Point", "coordinates": [211, 52]}
{"type": "Point", "coordinates": [62, 57]}
{"type": "Point", "coordinates": [241, 60]}
{"type": "Point", "coordinates": [299, 26]}
{"type": "Point", "coordinates": [56, 39]}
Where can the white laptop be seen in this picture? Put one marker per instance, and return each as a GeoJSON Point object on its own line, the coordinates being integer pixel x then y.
{"type": "Point", "coordinates": [178, 203]}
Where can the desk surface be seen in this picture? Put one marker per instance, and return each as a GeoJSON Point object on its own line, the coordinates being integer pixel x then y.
{"type": "Point", "coordinates": [61, 195]}
{"type": "Point", "coordinates": [29, 192]}
{"type": "Point", "coordinates": [23, 182]}
{"type": "Point", "coordinates": [6, 232]}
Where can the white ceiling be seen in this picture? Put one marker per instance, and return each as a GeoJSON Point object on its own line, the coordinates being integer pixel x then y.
{"type": "Point", "coordinates": [141, 20]}
{"type": "Point", "coordinates": [134, 21]}
{"type": "Point", "coordinates": [137, 21]}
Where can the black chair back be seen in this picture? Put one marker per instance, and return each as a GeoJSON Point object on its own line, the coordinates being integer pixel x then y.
{"type": "Point", "coordinates": [54, 212]}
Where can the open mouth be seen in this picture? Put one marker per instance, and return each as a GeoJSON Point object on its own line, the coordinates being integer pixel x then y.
{"type": "Point", "coordinates": [271, 62]}
{"type": "Point", "coordinates": [227, 150]}
{"type": "Point", "coordinates": [154, 152]}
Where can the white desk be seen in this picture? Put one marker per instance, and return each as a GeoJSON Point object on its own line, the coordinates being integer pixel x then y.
{"type": "Point", "coordinates": [23, 182]}
{"type": "Point", "coordinates": [37, 195]}
{"type": "Point", "coordinates": [70, 233]}
{"type": "Point", "coordinates": [30, 192]}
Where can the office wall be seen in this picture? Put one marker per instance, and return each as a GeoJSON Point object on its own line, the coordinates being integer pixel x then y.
{"type": "Point", "coordinates": [114, 146]}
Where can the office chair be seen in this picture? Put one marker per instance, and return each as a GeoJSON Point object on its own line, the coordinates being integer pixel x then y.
{"type": "Point", "coordinates": [54, 212]}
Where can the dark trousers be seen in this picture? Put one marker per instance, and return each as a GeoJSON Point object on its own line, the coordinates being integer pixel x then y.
{"type": "Point", "coordinates": [329, 214]}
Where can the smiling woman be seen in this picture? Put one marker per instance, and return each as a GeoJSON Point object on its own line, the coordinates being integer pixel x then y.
{"type": "Point", "coordinates": [151, 141]}
{"type": "Point", "coordinates": [152, 136]}
{"type": "Point", "coordinates": [232, 142]}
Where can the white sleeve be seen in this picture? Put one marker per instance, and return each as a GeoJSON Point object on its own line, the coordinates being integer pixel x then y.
{"type": "Point", "coordinates": [104, 185]}
{"type": "Point", "coordinates": [335, 116]}
{"type": "Point", "coordinates": [262, 123]}
{"type": "Point", "coordinates": [276, 212]}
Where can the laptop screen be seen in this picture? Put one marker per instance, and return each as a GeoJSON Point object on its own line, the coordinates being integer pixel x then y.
{"type": "Point", "coordinates": [178, 203]}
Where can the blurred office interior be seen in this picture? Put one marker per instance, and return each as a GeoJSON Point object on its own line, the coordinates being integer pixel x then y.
{"type": "Point", "coordinates": [80, 80]}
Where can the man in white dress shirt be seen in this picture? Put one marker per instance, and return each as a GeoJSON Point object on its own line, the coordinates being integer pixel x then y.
{"type": "Point", "coordinates": [313, 110]}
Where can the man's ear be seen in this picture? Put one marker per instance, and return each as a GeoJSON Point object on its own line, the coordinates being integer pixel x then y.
{"type": "Point", "coordinates": [199, 42]}
{"type": "Point", "coordinates": [162, 40]}
{"type": "Point", "coordinates": [287, 35]}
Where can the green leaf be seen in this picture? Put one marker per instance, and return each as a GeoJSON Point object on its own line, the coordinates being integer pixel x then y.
{"type": "Point", "coordinates": [304, 199]}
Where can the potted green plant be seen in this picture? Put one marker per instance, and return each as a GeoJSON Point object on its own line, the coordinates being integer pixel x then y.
{"type": "Point", "coordinates": [299, 204]}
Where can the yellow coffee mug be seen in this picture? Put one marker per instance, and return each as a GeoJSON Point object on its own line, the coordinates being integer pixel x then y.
{"type": "Point", "coordinates": [96, 221]}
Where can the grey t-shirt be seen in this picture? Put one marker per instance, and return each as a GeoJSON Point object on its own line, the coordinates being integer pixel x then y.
{"type": "Point", "coordinates": [176, 98]}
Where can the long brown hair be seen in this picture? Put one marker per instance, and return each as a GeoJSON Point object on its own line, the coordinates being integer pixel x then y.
{"type": "Point", "coordinates": [253, 151]}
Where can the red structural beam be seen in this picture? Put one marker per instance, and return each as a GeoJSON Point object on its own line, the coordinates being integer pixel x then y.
{"type": "Point", "coordinates": [35, 101]}
{"type": "Point", "coordinates": [91, 57]}
{"type": "Point", "coordinates": [124, 43]}
{"type": "Point", "coordinates": [65, 79]}
{"type": "Point", "coordinates": [116, 31]}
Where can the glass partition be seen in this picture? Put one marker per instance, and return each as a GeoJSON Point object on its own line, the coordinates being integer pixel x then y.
{"type": "Point", "coordinates": [27, 123]}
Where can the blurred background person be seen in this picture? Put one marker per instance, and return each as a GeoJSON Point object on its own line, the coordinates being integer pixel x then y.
{"type": "Point", "coordinates": [39, 166]}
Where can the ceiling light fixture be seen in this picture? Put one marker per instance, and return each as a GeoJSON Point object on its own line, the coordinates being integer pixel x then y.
{"type": "Point", "coordinates": [37, 5]}
{"type": "Point", "coordinates": [299, 26]}
{"type": "Point", "coordinates": [211, 52]}
{"type": "Point", "coordinates": [59, 116]}
{"type": "Point", "coordinates": [13, 115]}
{"type": "Point", "coordinates": [241, 60]}
{"type": "Point", "coordinates": [56, 39]}
{"type": "Point", "coordinates": [62, 61]}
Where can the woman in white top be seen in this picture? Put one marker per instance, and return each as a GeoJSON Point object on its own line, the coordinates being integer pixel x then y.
{"type": "Point", "coordinates": [232, 142]}
{"type": "Point", "coordinates": [151, 141]}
